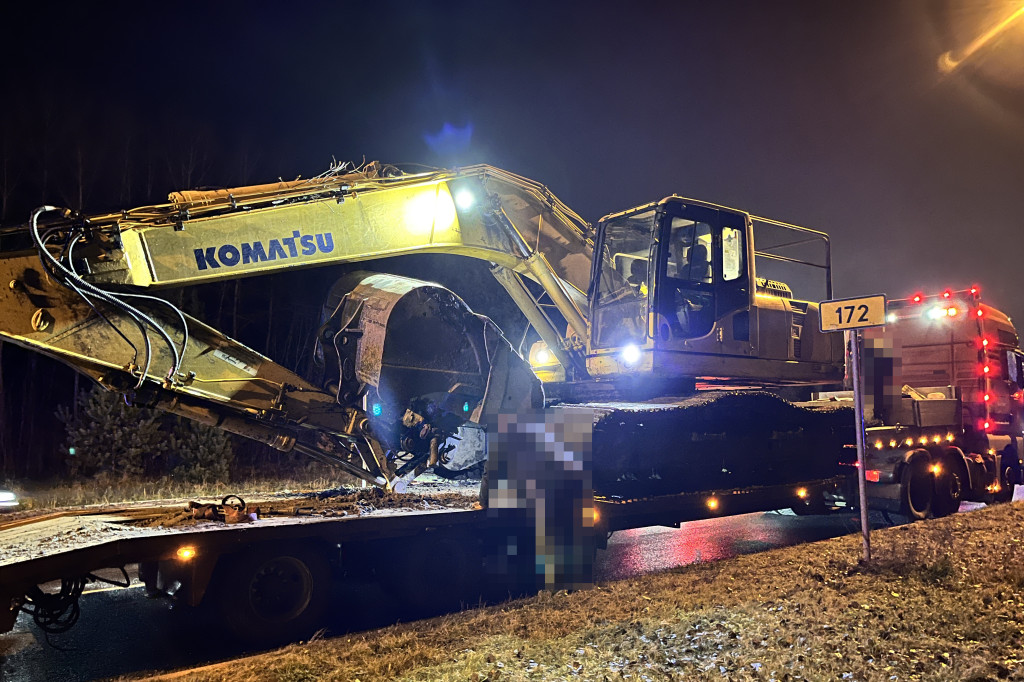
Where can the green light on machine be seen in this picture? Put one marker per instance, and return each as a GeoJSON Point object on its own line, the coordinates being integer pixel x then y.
{"type": "Point", "coordinates": [465, 407]}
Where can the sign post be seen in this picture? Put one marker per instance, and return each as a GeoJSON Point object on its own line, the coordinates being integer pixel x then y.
{"type": "Point", "coordinates": [854, 314]}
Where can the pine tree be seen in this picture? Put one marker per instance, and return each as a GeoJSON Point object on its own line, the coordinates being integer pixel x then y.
{"type": "Point", "coordinates": [112, 437]}
{"type": "Point", "coordinates": [200, 453]}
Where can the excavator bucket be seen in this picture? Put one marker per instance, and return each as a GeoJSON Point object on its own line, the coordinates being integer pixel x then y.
{"type": "Point", "coordinates": [419, 362]}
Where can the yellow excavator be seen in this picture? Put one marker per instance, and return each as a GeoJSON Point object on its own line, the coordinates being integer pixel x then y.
{"type": "Point", "coordinates": [654, 302]}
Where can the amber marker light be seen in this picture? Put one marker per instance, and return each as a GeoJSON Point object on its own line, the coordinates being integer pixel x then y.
{"type": "Point", "coordinates": [801, 493]}
{"type": "Point", "coordinates": [923, 440]}
{"type": "Point", "coordinates": [712, 503]}
{"type": "Point", "coordinates": [935, 469]}
{"type": "Point", "coordinates": [909, 441]}
{"type": "Point", "coordinates": [893, 444]}
{"type": "Point", "coordinates": [186, 553]}
{"type": "Point", "coordinates": [879, 445]}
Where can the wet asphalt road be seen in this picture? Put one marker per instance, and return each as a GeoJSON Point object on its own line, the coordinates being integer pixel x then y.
{"type": "Point", "coordinates": [121, 632]}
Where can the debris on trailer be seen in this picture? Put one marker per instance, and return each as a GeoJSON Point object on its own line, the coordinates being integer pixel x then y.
{"type": "Point", "coordinates": [326, 504]}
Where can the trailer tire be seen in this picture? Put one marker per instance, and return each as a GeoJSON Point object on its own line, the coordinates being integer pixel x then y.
{"type": "Point", "coordinates": [916, 489]}
{"type": "Point", "coordinates": [270, 596]}
{"type": "Point", "coordinates": [949, 489]}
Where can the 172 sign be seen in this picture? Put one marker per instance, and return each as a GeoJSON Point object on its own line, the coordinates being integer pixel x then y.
{"type": "Point", "coordinates": [852, 313]}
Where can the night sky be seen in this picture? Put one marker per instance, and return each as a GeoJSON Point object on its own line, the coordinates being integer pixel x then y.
{"type": "Point", "coordinates": [832, 115]}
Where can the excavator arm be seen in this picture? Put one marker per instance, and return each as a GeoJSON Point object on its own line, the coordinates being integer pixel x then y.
{"type": "Point", "coordinates": [406, 361]}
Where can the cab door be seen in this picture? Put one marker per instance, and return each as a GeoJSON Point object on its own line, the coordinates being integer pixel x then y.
{"type": "Point", "coordinates": [702, 296]}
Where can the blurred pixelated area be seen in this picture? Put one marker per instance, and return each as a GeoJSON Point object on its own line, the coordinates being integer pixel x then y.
{"type": "Point", "coordinates": [883, 375]}
{"type": "Point", "coordinates": [539, 472]}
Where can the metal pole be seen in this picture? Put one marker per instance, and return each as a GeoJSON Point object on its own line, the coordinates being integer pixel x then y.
{"type": "Point", "coordinates": [858, 408]}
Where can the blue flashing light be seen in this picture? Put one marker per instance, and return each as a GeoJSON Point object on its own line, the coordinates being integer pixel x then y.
{"type": "Point", "coordinates": [376, 409]}
{"type": "Point", "coordinates": [72, 451]}
{"type": "Point", "coordinates": [465, 407]}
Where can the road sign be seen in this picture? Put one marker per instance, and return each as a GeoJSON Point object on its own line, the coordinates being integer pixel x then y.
{"type": "Point", "coordinates": [852, 313]}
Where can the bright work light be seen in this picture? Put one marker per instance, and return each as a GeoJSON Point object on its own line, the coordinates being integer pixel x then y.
{"type": "Point", "coordinates": [631, 354]}
{"type": "Point", "coordinates": [464, 199]}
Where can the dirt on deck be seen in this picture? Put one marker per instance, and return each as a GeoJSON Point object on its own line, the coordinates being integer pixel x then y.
{"type": "Point", "coordinates": [323, 504]}
{"type": "Point", "coordinates": [36, 533]}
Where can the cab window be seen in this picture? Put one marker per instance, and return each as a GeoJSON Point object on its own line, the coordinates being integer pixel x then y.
{"type": "Point", "coordinates": [620, 311]}
{"type": "Point", "coordinates": [690, 251]}
{"type": "Point", "coordinates": [732, 254]}
{"type": "Point", "coordinates": [687, 300]}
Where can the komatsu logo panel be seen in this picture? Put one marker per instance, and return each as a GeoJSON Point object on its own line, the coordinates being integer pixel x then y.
{"type": "Point", "coordinates": [371, 225]}
{"type": "Point", "coordinates": [230, 255]}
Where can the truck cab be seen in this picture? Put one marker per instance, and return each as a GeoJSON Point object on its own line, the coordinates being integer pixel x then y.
{"type": "Point", "coordinates": [675, 293]}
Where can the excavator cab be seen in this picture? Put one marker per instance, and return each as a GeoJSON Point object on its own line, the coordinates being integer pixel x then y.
{"type": "Point", "coordinates": [674, 295]}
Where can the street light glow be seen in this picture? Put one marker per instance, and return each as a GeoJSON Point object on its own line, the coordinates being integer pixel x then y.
{"type": "Point", "coordinates": [949, 62]}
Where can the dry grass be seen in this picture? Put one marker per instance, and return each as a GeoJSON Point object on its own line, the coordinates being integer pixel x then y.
{"type": "Point", "coordinates": [116, 490]}
{"type": "Point", "coordinates": [942, 601]}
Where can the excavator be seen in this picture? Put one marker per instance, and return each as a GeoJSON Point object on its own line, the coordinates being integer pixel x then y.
{"type": "Point", "coordinates": [648, 306]}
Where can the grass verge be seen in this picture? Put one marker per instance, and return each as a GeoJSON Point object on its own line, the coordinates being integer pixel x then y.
{"type": "Point", "coordinates": [942, 600]}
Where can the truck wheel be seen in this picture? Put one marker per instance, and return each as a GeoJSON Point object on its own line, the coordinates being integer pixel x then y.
{"type": "Point", "coordinates": [916, 489]}
{"type": "Point", "coordinates": [1008, 467]}
{"type": "Point", "coordinates": [949, 489]}
{"type": "Point", "coordinates": [271, 596]}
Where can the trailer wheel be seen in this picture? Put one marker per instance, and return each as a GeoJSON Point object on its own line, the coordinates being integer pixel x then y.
{"type": "Point", "coordinates": [271, 596]}
{"type": "Point", "coordinates": [949, 489]}
{"type": "Point", "coordinates": [916, 489]}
